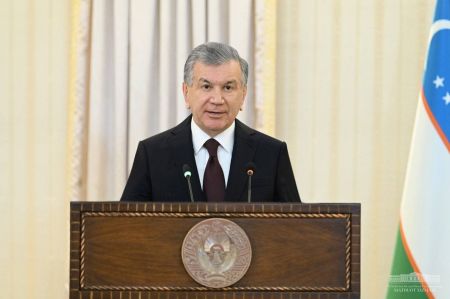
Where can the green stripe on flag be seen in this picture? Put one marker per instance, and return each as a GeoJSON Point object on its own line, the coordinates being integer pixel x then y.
{"type": "Point", "coordinates": [403, 282]}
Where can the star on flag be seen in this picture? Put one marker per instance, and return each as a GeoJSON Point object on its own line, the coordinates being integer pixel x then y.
{"type": "Point", "coordinates": [438, 82]}
{"type": "Point", "coordinates": [446, 98]}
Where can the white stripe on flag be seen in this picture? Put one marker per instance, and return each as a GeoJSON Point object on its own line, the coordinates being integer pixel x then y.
{"type": "Point", "coordinates": [426, 204]}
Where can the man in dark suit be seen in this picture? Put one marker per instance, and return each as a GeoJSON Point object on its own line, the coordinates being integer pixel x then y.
{"type": "Point", "coordinates": [218, 148]}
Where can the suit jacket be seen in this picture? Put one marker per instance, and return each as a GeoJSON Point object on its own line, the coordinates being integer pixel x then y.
{"type": "Point", "coordinates": [157, 172]}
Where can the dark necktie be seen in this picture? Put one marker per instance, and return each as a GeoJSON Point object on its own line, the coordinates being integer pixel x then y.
{"type": "Point", "coordinates": [213, 180]}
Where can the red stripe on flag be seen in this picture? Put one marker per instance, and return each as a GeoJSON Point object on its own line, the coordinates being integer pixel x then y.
{"type": "Point", "coordinates": [434, 121]}
{"type": "Point", "coordinates": [411, 259]}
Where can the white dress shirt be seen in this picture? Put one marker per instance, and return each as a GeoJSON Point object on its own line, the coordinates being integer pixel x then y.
{"type": "Point", "coordinates": [224, 151]}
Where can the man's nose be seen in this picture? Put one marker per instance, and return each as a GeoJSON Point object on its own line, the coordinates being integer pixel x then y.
{"type": "Point", "coordinates": [217, 97]}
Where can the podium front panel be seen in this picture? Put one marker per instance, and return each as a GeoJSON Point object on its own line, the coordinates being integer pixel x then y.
{"type": "Point", "coordinates": [133, 250]}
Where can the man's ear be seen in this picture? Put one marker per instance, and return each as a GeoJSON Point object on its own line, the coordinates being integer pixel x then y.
{"type": "Point", "coordinates": [184, 88]}
{"type": "Point", "coordinates": [245, 92]}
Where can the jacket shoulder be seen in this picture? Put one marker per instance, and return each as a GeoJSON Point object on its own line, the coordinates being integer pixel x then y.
{"type": "Point", "coordinates": [158, 138]}
{"type": "Point", "coordinates": [258, 136]}
{"type": "Point", "coordinates": [182, 128]}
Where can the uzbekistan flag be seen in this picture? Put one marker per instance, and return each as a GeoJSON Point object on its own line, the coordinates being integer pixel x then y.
{"type": "Point", "coordinates": [421, 266]}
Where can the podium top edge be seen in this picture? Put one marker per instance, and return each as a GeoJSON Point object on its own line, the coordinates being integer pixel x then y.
{"type": "Point", "coordinates": [223, 207]}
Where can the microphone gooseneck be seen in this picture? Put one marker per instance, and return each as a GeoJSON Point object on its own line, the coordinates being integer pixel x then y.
{"type": "Point", "coordinates": [250, 168]}
{"type": "Point", "coordinates": [187, 174]}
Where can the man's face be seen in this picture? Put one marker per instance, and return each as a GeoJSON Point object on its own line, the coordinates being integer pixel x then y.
{"type": "Point", "coordinates": [216, 95]}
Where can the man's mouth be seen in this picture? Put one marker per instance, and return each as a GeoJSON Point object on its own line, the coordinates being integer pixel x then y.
{"type": "Point", "coordinates": [215, 113]}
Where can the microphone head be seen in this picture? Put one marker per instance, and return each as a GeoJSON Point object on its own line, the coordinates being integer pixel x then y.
{"type": "Point", "coordinates": [250, 168]}
{"type": "Point", "coordinates": [187, 171]}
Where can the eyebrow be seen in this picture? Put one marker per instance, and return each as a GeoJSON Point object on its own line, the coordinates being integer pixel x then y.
{"type": "Point", "coordinates": [203, 80]}
{"type": "Point", "coordinates": [207, 81]}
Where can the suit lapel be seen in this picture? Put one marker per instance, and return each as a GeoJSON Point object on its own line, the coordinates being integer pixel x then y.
{"type": "Point", "coordinates": [243, 152]}
{"type": "Point", "coordinates": [182, 152]}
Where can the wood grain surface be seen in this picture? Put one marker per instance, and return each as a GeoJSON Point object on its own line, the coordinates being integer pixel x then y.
{"type": "Point", "coordinates": [127, 250]}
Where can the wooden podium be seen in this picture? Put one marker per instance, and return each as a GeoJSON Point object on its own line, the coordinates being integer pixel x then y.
{"type": "Point", "coordinates": [133, 250]}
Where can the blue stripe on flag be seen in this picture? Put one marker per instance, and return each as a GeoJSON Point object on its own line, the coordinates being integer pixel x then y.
{"type": "Point", "coordinates": [442, 10]}
{"type": "Point", "coordinates": [436, 84]}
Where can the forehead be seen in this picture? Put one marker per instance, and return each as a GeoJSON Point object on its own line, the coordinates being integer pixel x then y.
{"type": "Point", "coordinates": [228, 71]}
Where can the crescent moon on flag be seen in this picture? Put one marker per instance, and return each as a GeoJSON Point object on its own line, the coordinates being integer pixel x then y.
{"type": "Point", "coordinates": [435, 28]}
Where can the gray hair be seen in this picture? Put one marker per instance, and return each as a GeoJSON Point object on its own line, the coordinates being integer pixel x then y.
{"type": "Point", "coordinates": [212, 53]}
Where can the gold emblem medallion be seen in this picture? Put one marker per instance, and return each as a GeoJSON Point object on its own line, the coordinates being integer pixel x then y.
{"type": "Point", "coordinates": [216, 253]}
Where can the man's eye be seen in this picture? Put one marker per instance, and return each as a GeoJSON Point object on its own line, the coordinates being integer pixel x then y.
{"type": "Point", "coordinates": [228, 87]}
{"type": "Point", "coordinates": [206, 87]}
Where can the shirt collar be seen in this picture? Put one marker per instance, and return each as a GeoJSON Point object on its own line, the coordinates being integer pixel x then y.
{"type": "Point", "coordinates": [199, 137]}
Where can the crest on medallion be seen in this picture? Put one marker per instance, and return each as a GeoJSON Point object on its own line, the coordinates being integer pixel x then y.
{"type": "Point", "coordinates": [216, 253]}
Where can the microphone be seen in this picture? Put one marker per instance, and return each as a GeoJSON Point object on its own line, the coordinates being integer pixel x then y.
{"type": "Point", "coordinates": [250, 168]}
{"type": "Point", "coordinates": [187, 174]}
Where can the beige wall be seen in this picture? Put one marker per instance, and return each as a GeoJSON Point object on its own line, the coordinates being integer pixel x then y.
{"type": "Point", "coordinates": [34, 43]}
